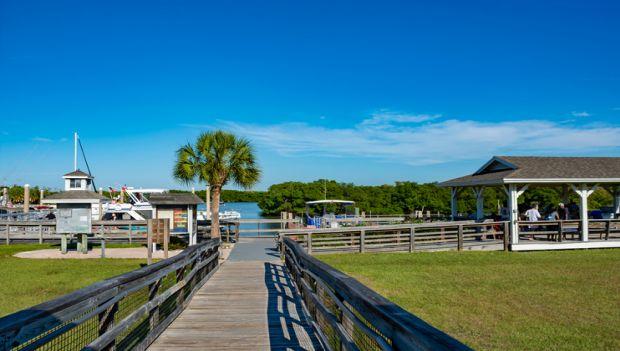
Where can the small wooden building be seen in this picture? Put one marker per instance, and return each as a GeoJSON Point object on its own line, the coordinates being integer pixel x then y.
{"type": "Point", "coordinates": [181, 209]}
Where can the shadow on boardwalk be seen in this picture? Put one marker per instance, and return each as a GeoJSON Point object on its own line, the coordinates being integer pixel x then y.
{"type": "Point", "coordinates": [288, 329]}
{"type": "Point", "coordinates": [248, 304]}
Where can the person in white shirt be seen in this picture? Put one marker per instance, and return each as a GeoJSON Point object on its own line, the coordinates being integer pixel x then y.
{"type": "Point", "coordinates": [533, 216]}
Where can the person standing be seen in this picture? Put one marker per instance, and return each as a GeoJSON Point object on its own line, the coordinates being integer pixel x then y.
{"type": "Point", "coordinates": [562, 212]}
{"type": "Point", "coordinates": [533, 215]}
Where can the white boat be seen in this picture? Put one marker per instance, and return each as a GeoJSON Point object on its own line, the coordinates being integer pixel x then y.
{"type": "Point", "coordinates": [224, 216]}
{"type": "Point", "coordinates": [138, 206]}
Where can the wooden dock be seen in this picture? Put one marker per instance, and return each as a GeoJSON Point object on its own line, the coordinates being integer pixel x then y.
{"type": "Point", "coordinates": [246, 305]}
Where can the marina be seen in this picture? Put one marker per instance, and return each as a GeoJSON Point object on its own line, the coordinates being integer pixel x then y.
{"type": "Point", "coordinates": [309, 176]}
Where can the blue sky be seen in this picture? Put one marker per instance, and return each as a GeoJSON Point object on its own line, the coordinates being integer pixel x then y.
{"type": "Point", "coordinates": [364, 92]}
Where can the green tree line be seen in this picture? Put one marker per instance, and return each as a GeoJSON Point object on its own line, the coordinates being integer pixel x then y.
{"type": "Point", "coordinates": [397, 198]}
{"type": "Point", "coordinates": [406, 197]}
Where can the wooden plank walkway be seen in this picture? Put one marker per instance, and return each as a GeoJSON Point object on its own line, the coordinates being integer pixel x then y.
{"type": "Point", "coordinates": [246, 305]}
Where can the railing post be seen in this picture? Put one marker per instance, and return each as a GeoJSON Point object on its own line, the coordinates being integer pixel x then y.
{"type": "Point", "coordinates": [40, 234]}
{"type": "Point", "coordinates": [412, 239]}
{"type": "Point", "coordinates": [362, 241]}
{"type": "Point", "coordinates": [149, 242]}
{"type": "Point", "coordinates": [309, 242]}
{"type": "Point", "coordinates": [560, 230]}
{"type": "Point", "coordinates": [154, 313]}
{"type": "Point", "coordinates": [130, 232]}
{"type": "Point", "coordinates": [167, 236]}
{"type": "Point", "coordinates": [8, 230]}
{"type": "Point", "coordinates": [102, 247]}
{"type": "Point", "coordinates": [506, 235]}
{"type": "Point", "coordinates": [607, 229]}
{"type": "Point", "coordinates": [63, 243]}
{"type": "Point", "coordinates": [180, 276]}
{"type": "Point", "coordinates": [106, 321]}
{"type": "Point", "coordinates": [460, 238]}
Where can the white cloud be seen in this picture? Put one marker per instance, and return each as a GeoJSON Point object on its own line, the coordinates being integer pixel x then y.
{"type": "Point", "coordinates": [580, 114]}
{"type": "Point", "coordinates": [42, 140]}
{"type": "Point", "coordinates": [434, 142]}
{"type": "Point", "coordinates": [385, 117]}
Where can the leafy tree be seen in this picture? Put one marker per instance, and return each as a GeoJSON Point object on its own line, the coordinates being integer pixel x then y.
{"type": "Point", "coordinates": [217, 158]}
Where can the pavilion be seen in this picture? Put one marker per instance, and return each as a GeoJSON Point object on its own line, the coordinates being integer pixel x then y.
{"type": "Point", "coordinates": [516, 173]}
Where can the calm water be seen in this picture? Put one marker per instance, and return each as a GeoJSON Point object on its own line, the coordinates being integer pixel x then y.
{"type": "Point", "coordinates": [248, 210]}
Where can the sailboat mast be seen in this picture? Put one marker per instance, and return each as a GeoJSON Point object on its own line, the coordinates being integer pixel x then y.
{"type": "Point", "coordinates": [75, 141]}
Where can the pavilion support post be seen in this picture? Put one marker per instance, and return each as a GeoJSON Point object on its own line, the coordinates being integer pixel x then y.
{"type": "Point", "coordinates": [584, 191]}
{"type": "Point", "coordinates": [454, 192]}
{"type": "Point", "coordinates": [616, 194]}
{"type": "Point", "coordinates": [479, 194]}
{"type": "Point", "coordinates": [513, 193]}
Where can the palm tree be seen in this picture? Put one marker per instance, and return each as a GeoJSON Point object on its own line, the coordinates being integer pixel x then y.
{"type": "Point", "coordinates": [217, 158]}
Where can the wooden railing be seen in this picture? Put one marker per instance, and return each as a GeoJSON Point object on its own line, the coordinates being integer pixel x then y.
{"type": "Point", "coordinates": [569, 230]}
{"type": "Point", "coordinates": [42, 231]}
{"type": "Point", "coordinates": [123, 313]}
{"type": "Point", "coordinates": [404, 237]}
{"type": "Point", "coordinates": [349, 316]}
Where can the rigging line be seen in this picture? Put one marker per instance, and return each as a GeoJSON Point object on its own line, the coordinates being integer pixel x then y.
{"type": "Point", "coordinates": [86, 161]}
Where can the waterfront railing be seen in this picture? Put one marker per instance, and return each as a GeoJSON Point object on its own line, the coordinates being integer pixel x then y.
{"type": "Point", "coordinates": [122, 313]}
{"type": "Point", "coordinates": [350, 316]}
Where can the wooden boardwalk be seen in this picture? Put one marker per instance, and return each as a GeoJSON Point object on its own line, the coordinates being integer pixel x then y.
{"type": "Point", "coordinates": [246, 305]}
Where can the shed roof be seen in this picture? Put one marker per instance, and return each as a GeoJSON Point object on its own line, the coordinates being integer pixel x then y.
{"type": "Point", "coordinates": [537, 169]}
{"type": "Point", "coordinates": [74, 196]}
{"type": "Point", "coordinates": [175, 199]}
{"type": "Point", "coordinates": [77, 174]}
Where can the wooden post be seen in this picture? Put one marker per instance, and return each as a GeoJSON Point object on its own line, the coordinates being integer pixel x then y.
{"type": "Point", "coordinates": [130, 232]}
{"type": "Point", "coordinates": [40, 234]}
{"type": "Point", "coordinates": [26, 198]}
{"type": "Point", "coordinates": [106, 321]}
{"type": "Point", "coordinates": [84, 243]}
{"type": "Point", "coordinates": [102, 247]}
{"type": "Point", "coordinates": [506, 234]}
{"type": "Point", "coordinates": [154, 313]}
{"type": "Point", "coordinates": [180, 276]}
{"type": "Point", "coordinates": [607, 229]}
{"type": "Point", "coordinates": [363, 241]}
{"type": "Point", "coordinates": [63, 244]}
{"type": "Point", "coordinates": [412, 239]}
{"type": "Point", "coordinates": [8, 230]}
{"type": "Point", "coordinates": [166, 236]}
{"type": "Point", "coordinates": [560, 230]}
{"type": "Point", "coordinates": [237, 231]}
{"type": "Point", "coordinates": [309, 242]}
{"type": "Point", "coordinates": [149, 242]}
{"type": "Point", "coordinates": [460, 238]}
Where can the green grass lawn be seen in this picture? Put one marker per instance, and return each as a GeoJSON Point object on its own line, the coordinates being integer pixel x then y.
{"type": "Point", "coordinates": [27, 282]}
{"type": "Point", "coordinates": [555, 300]}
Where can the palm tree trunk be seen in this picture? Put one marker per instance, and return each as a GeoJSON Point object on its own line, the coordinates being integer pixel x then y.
{"type": "Point", "coordinates": [215, 211]}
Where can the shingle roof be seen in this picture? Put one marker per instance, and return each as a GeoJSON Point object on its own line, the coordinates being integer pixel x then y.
{"type": "Point", "coordinates": [75, 195]}
{"type": "Point", "coordinates": [77, 173]}
{"type": "Point", "coordinates": [543, 169]}
{"type": "Point", "coordinates": [174, 199]}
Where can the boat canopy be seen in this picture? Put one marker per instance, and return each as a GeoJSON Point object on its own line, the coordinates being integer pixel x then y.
{"type": "Point", "coordinates": [316, 202]}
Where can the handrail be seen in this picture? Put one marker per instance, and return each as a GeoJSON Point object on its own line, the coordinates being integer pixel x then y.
{"type": "Point", "coordinates": [350, 316]}
{"type": "Point", "coordinates": [53, 223]}
{"type": "Point", "coordinates": [125, 312]}
{"type": "Point", "coordinates": [386, 227]}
